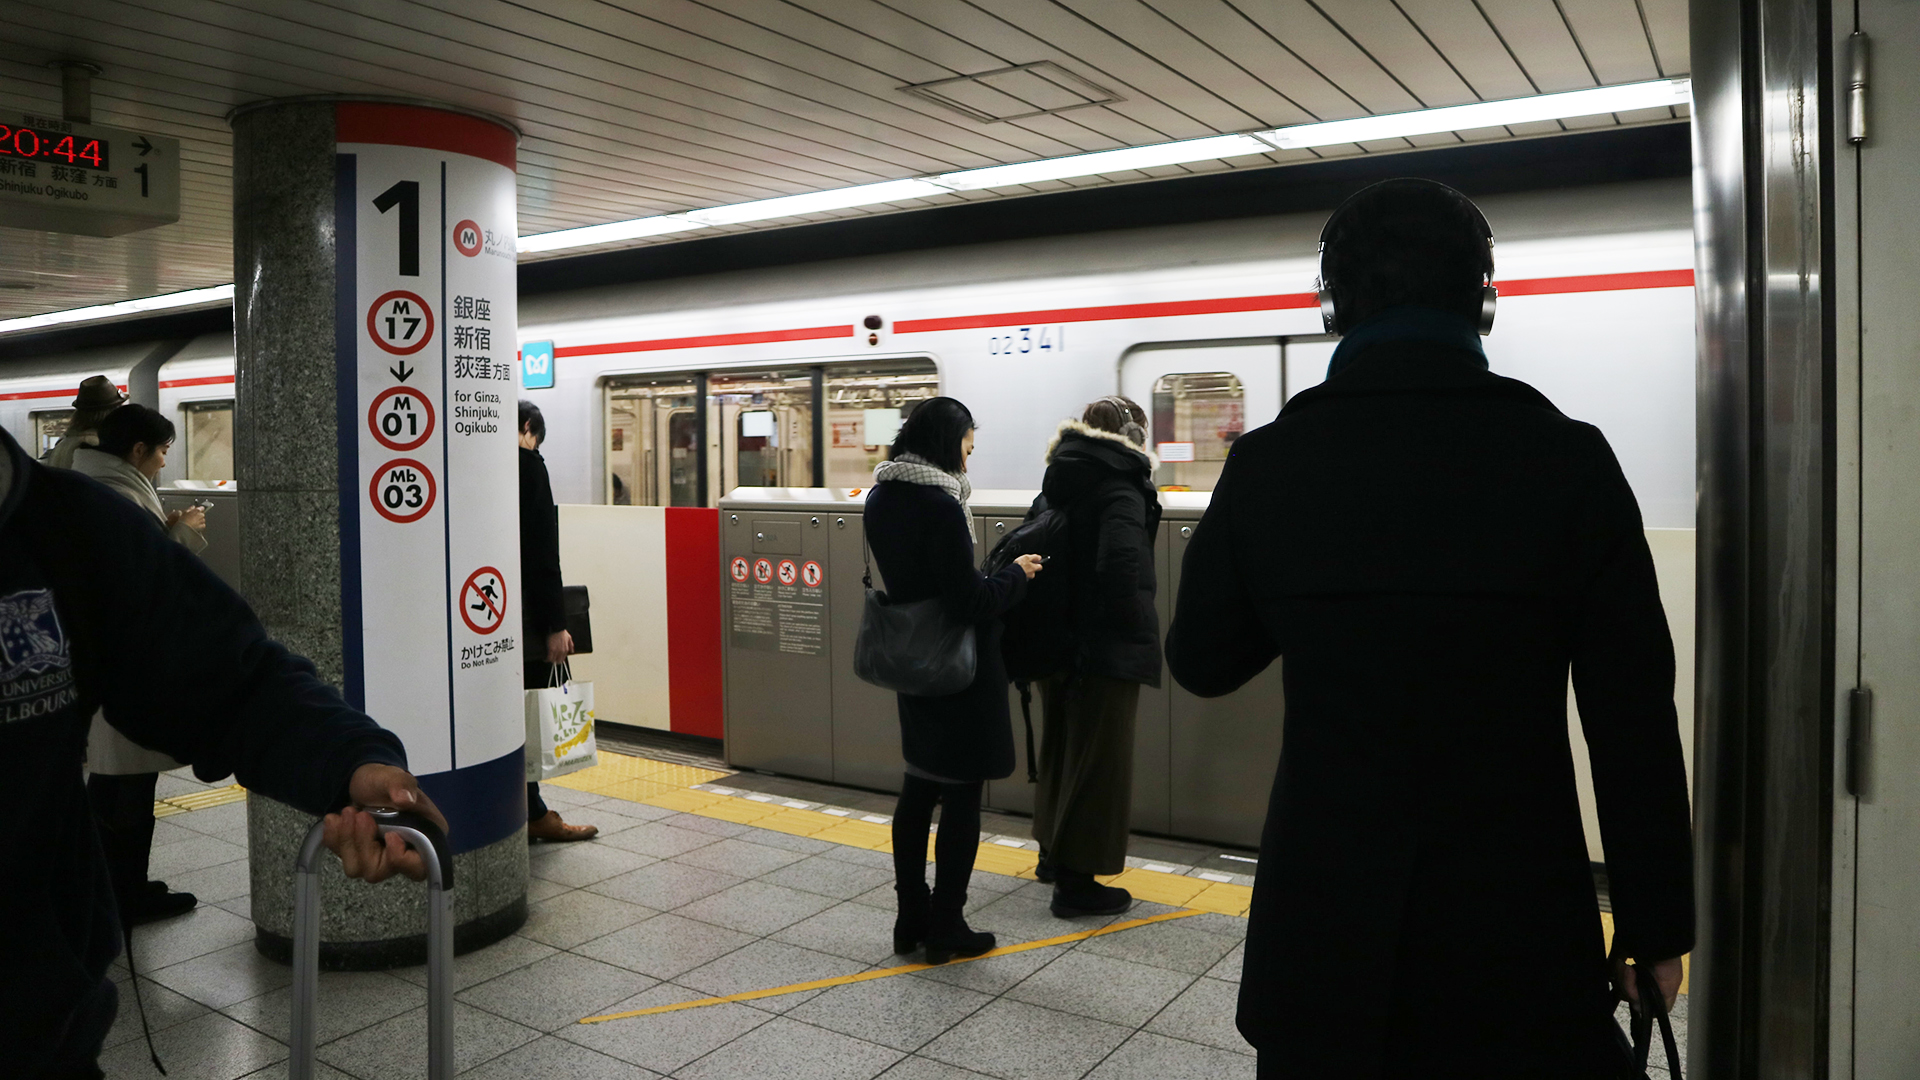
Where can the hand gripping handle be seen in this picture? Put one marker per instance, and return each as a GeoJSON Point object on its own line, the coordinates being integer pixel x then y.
{"type": "Point", "coordinates": [427, 838]}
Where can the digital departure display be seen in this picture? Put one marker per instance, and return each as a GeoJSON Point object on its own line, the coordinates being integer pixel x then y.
{"type": "Point", "coordinates": [41, 144]}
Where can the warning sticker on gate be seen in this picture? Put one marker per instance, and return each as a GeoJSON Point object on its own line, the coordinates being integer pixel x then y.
{"type": "Point", "coordinates": [401, 418]}
{"type": "Point", "coordinates": [403, 490]}
{"type": "Point", "coordinates": [400, 322]}
{"type": "Point", "coordinates": [738, 569]}
{"type": "Point", "coordinates": [789, 573]}
{"type": "Point", "coordinates": [483, 600]}
{"type": "Point", "coordinates": [763, 570]}
{"type": "Point", "coordinates": [811, 575]}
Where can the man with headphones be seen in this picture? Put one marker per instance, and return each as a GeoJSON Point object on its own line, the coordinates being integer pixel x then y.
{"type": "Point", "coordinates": [1432, 547]}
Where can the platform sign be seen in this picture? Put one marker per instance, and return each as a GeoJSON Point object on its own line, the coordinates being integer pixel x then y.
{"type": "Point", "coordinates": [59, 176]}
{"type": "Point", "coordinates": [427, 324]}
{"type": "Point", "coordinates": [536, 365]}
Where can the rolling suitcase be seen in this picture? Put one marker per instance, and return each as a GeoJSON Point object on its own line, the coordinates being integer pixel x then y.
{"type": "Point", "coordinates": [426, 838]}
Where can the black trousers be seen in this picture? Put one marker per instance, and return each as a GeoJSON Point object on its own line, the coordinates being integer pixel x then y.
{"type": "Point", "coordinates": [123, 814]}
{"type": "Point", "coordinates": [954, 848]}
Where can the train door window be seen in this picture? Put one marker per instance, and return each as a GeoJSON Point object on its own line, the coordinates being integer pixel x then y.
{"type": "Point", "coordinates": [1200, 396]}
{"type": "Point", "coordinates": [1307, 361]}
{"type": "Point", "coordinates": [48, 428]}
{"type": "Point", "coordinates": [766, 427]}
{"type": "Point", "coordinates": [652, 441]}
{"type": "Point", "coordinates": [865, 406]}
{"type": "Point", "coordinates": [209, 436]}
{"type": "Point", "coordinates": [1196, 418]}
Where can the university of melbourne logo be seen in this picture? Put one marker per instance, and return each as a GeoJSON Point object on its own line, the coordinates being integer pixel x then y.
{"type": "Point", "coordinates": [31, 642]}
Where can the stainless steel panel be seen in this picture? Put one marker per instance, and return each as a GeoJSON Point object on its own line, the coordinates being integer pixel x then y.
{"type": "Point", "coordinates": [1764, 719]}
{"type": "Point", "coordinates": [866, 719]}
{"type": "Point", "coordinates": [1223, 752]}
{"type": "Point", "coordinates": [222, 554]}
{"type": "Point", "coordinates": [779, 690]}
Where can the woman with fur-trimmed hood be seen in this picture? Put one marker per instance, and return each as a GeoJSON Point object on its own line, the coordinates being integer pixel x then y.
{"type": "Point", "coordinates": [1100, 474]}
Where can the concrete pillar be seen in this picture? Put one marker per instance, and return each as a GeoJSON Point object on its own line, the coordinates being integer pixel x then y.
{"type": "Point", "coordinates": [308, 264]}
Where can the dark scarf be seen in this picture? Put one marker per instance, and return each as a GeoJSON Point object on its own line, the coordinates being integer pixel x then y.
{"type": "Point", "coordinates": [1408, 323]}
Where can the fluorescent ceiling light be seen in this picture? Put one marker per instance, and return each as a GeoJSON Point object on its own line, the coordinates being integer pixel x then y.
{"type": "Point", "coordinates": [163, 302]}
{"type": "Point", "coordinates": [610, 233]}
{"type": "Point", "coordinates": [1484, 114]}
{"type": "Point", "coordinates": [814, 202]}
{"type": "Point", "coordinates": [1564, 106]}
{"type": "Point", "coordinates": [1104, 161]}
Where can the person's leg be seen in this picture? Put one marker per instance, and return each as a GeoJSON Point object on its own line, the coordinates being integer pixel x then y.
{"type": "Point", "coordinates": [1049, 770]}
{"type": "Point", "coordinates": [123, 814]}
{"type": "Point", "coordinates": [954, 850]}
{"type": "Point", "coordinates": [536, 806]}
{"type": "Point", "coordinates": [912, 817]}
{"type": "Point", "coordinates": [1095, 798]}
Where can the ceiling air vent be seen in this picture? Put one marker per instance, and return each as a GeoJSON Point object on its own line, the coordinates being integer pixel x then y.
{"type": "Point", "coordinates": [1015, 93]}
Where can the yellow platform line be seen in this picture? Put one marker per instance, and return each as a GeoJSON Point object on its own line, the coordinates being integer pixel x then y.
{"type": "Point", "coordinates": [199, 800]}
{"type": "Point", "coordinates": [887, 973]}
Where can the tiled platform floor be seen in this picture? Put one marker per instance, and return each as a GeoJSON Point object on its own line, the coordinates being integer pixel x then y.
{"type": "Point", "coordinates": [668, 907]}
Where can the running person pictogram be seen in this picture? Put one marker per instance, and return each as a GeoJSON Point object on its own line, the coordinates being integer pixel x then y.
{"type": "Point", "coordinates": [789, 573]}
{"type": "Point", "coordinates": [483, 600]}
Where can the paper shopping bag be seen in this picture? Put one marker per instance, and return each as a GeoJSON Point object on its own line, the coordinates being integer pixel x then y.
{"type": "Point", "coordinates": [560, 728]}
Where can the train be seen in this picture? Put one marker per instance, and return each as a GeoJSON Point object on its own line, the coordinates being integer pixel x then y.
{"type": "Point", "coordinates": [673, 393]}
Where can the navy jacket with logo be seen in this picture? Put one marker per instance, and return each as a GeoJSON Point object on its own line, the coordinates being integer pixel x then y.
{"type": "Point", "coordinates": [98, 609]}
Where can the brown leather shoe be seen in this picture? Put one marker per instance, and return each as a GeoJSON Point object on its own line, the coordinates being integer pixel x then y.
{"type": "Point", "coordinates": [551, 827]}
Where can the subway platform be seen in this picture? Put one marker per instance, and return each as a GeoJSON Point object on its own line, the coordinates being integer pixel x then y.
{"type": "Point", "coordinates": [723, 925]}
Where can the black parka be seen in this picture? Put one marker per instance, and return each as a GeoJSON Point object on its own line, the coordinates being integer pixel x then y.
{"type": "Point", "coordinates": [1105, 485]}
{"type": "Point", "coordinates": [1431, 548]}
{"type": "Point", "coordinates": [923, 549]}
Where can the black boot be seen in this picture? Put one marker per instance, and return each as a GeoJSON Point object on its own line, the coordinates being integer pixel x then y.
{"type": "Point", "coordinates": [910, 925]}
{"type": "Point", "coordinates": [948, 936]}
{"type": "Point", "coordinates": [1076, 894]}
{"type": "Point", "coordinates": [1043, 871]}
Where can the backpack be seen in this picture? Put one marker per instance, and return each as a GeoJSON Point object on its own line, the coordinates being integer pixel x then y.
{"type": "Point", "coordinates": [1038, 636]}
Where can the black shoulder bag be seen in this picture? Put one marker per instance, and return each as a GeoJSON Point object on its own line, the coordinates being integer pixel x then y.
{"type": "Point", "coordinates": [917, 648]}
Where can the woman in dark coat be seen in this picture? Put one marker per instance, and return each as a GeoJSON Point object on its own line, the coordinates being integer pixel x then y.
{"type": "Point", "coordinates": [1100, 475]}
{"type": "Point", "coordinates": [921, 533]}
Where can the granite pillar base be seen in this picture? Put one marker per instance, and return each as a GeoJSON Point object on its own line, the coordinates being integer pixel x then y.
{"type": "Point", "coordinates": [370, 927]}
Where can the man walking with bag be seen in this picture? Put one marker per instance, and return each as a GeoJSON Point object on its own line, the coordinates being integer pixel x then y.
{"type": "Point", "coordinates": [1432, 547]}
{"type": "Point", "coordinates": [542, 606]}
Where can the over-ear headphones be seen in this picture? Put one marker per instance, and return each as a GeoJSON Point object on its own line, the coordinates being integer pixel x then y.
{"type": "Point", "coordinates": [1489, 295]}
{"type": "Point", "coordinates": [1130, 427]}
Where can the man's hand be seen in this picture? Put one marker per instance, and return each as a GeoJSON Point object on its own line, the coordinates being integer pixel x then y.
{"type": "Point", "coordinates": [1667, 973]}
{"type": "Point", "coordinates": [559, 646]}
{"type": "Point", "coordinates": [355, 837]}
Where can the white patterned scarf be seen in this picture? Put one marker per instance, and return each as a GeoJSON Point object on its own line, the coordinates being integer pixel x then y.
{"type": "Point", "coordinates": [914, 469]}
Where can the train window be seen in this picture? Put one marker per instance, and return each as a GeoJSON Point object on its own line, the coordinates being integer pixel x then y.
{"type": "Point", "coordinates": [865, 406]}
{"type": "Point", "coordinates": [766, 425]}
{"type": "Point", "coordinates": [1196, 418]}
{"type": "Point", "coordinates": [652, 442]}
{"type": "Point", "coordinates": [209, 438]}
{"type": "Point", "coordinates": [48, 428]}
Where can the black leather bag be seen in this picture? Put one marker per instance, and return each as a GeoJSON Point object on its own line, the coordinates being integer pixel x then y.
{"type": "Point", "coordinates": [917, 648]}
{"type": "Point", "coordinates": [573, 606]}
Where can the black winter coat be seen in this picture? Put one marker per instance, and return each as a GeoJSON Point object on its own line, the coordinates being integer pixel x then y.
{"type": "Point", "coordinates": [1105, 485]}
{"type": "Point", "coordinates": [542, 610]}
{"type": "Point", "coordinates": [100, 610]}
{"type": "Point", "coordinates": [923, 548]}
{"type": "Point", "coordinates": [1431, 547]}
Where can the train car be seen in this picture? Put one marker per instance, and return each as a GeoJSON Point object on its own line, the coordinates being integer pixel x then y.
{"type": "Point", "coordinates": [661, 397]}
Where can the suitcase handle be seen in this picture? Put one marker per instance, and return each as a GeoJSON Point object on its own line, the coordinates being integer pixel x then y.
{"type": "Point", "coordinates": [426, 838]}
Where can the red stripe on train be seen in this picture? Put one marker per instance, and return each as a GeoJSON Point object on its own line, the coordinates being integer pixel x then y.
{"type": "Point", "coordinates": [693, 621]}
{"type": "Point", "coordinates": [35, 395]}
{"type": "Point", "coordinates": [756, 337]}
{"type": "Point", "coordinates": [1112, 311]}
{"type": "Point", "coordinates": [1650, 279]}
{"type": "Point", "coordinates": [204, 380]}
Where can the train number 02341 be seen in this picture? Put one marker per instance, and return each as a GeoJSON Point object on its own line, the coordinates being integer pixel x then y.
{"type": "Point", "coordinates": [1027, 340]}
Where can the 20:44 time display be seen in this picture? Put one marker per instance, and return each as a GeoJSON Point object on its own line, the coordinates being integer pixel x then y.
{"type": "Point", "coordinates": [39, 144]}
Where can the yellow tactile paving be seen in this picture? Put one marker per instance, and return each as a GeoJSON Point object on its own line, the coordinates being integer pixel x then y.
{"type": "Point", "coordinates": [199, 800]}
{"type": "Point", "coordinates": [886, 973]}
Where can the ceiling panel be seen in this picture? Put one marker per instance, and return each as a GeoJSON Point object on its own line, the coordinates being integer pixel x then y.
{"type": "Point", "coordinates": [695, 104]}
